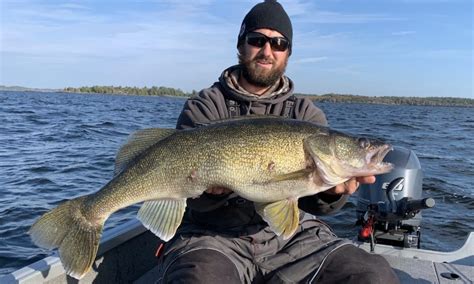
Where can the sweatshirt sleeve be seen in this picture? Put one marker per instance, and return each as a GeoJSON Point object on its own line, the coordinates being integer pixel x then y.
{"type": "Point", "coordinates": [306, 110]}
{"type": "Point", "coordinates": [209, 105]}
{"type": "Point", "coordinates": [321, 203]}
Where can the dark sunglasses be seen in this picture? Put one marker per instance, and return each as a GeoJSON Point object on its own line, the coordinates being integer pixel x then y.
{"type": "Point", "coordinates": [259, 40]}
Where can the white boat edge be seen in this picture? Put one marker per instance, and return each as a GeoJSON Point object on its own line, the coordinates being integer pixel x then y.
{"type": "Point", "coordinates": [50, 269]}
{"type": "Point", "coordinates": [464, 255]}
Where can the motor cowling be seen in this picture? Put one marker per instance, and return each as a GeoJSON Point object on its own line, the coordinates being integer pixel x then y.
{"type": "Point", "coordinates": [390, 208]}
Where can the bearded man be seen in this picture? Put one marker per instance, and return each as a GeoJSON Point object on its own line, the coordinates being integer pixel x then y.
{"type": "Point", "coordinates": [222, 239]}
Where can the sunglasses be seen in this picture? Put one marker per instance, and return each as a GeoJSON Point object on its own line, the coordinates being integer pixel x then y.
{"type": "Point", "coordinates": [259, 40]}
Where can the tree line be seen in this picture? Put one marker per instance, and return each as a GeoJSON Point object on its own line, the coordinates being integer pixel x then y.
{"type": "Point", "coordinates": [392, 100]}
{"type": "Point", "coordinates": [145, 91]}
{"type": "Point", "coordinates": [332, 97]}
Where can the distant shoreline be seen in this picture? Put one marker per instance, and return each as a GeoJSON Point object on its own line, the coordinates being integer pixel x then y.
{"type": "Point", "coordinates": [331, 98]}
{"type": "Point", "coordinates": [392, 100]}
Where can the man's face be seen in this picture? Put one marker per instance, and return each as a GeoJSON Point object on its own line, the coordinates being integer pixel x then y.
{"type": "Point", "coordinates": [263, 66]}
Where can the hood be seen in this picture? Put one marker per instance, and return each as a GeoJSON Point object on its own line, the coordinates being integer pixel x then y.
{"type": "Point", "coordinates": [276, 94]}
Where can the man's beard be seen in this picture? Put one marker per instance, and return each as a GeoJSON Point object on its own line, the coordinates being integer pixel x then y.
{"type": "Point", "coordinates": [258, 76]}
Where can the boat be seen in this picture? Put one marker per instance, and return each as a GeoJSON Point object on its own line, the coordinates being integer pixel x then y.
{"type": "Point", "coordinates": [389, 216]}
{"type": "Point", "coordinates": [127, 255]}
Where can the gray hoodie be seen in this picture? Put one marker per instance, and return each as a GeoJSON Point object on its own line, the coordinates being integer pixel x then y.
{"type": "Point", "coordinates": [226, 99]}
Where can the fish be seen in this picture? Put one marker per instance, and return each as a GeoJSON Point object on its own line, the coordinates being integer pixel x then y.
{"type": "Point", "coordinates": [268, 160]}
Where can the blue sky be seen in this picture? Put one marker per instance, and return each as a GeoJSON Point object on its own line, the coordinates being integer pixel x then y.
{"type": "Point", "coordinates": [363, 47]}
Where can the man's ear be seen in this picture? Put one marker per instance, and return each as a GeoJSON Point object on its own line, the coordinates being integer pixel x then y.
{"type": "Point", "coordinates": [240, 49]}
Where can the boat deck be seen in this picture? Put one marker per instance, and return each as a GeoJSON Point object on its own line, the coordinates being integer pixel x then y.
{"type": "Point", "coordinates": [424, 271]}
{"type": "Point", "coordinates": [126, 255]}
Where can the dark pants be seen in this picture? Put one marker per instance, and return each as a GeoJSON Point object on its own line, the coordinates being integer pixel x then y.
{"type": "Point", "coordinates": [350, 264]}
{"type": "Point", "coordinates": [313, 255]}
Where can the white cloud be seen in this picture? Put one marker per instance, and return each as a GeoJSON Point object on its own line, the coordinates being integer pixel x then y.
{"type": "Point", "coordinates": [76, 30]}
{"type": "Point", "coordinates": [403, 33]}
{"type": "Point", "coordinates": [310, 60]}
{"type": "Point", "coordinates": [431, 1]}
{"type": "Point", "coordinates": [329, 17]}
{"type": "Point", "coordinates": [186, 44]}
{"type": "Point", "coordinates": [294, 8]}
{"type": "Point", "coordinates": [71, 44]}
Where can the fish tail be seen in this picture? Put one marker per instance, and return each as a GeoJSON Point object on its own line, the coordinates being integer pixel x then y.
{"type": "Point", "coordinates": [68, 229]}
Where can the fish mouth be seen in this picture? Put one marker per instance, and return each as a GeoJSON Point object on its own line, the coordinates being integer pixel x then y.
{"type": "Point", "coordinates": [374, 159]}
{"type": "Point", "coordinates": [337, 171]}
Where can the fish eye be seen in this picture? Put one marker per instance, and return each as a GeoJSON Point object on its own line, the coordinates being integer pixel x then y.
{"type": "Point", "coordinates": [364, 143]}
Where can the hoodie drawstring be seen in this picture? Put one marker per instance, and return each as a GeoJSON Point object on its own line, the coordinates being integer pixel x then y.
{"type": "Point", "coordinates": [249, 107]}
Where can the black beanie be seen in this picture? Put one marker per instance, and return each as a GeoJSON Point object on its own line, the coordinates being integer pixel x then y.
{"type": "Point", "coordinates": [270, 15]}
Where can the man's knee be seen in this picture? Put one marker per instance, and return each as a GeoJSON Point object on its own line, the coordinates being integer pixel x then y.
{"type": "Point", "coordinates": [378, 270]}
{"type": "Point", "coordinates": [381, 272]}
{"type": "Point", "coordinates": [201, 266]}
{"type": "Point", "coordinates": [350, 264]}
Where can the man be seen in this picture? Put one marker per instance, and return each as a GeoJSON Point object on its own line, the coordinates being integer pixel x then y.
{"type": "Point", "coordinates": [222, 239]}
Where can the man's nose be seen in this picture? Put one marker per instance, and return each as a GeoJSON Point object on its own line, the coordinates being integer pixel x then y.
{"type": "Point", "coordinates": [267, 49]}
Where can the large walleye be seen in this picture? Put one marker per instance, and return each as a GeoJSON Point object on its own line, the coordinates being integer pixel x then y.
{"type": "Point", "coordinates": [270, 161]}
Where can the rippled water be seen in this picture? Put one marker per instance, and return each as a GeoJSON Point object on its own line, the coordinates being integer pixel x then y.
{"type": "Point", "coordinates": [442, 138]}
{"type": "Point", "coordinates": [58, 146]}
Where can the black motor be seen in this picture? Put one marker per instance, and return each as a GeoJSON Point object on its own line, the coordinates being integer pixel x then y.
{"type": "Point", "coordinates": [389, 209]}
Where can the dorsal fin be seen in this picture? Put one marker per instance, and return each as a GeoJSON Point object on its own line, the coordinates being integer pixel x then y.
{"type": "Point", "coordinates": [137, 143]}
{"type": "Point", "coordinates": [240, 118]}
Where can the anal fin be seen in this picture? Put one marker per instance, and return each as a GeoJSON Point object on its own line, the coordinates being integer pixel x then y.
{"type": "Point", "coordinates": [282, 216]}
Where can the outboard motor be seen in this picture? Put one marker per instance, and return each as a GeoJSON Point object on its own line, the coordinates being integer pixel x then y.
{"type": "Point", "coordinates": [389, 209]}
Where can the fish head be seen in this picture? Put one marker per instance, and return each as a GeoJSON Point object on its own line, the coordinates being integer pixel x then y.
{"type": "Point", "coordinates": [338, 156]}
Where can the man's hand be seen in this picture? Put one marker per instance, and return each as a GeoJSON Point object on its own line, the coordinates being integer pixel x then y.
{"type": "Point", "coordinates": [350, 186]}
{"type": "Point", "coordinates": [218, 190]}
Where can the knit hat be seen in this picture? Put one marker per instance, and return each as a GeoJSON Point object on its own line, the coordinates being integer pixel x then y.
{"type": "Point", "coordinates": [270, 15]}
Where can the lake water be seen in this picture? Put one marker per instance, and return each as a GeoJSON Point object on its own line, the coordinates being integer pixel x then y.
{"type": "Point", "coordinates": [56, 146]}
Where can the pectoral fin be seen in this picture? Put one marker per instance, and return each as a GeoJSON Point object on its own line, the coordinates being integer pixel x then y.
{"type": "Point", "coordinates": [162, 217]}
{"type": "Point", "coordinates": [301, 174]}
{"type": "Point", "coordinates": [282, 216]}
